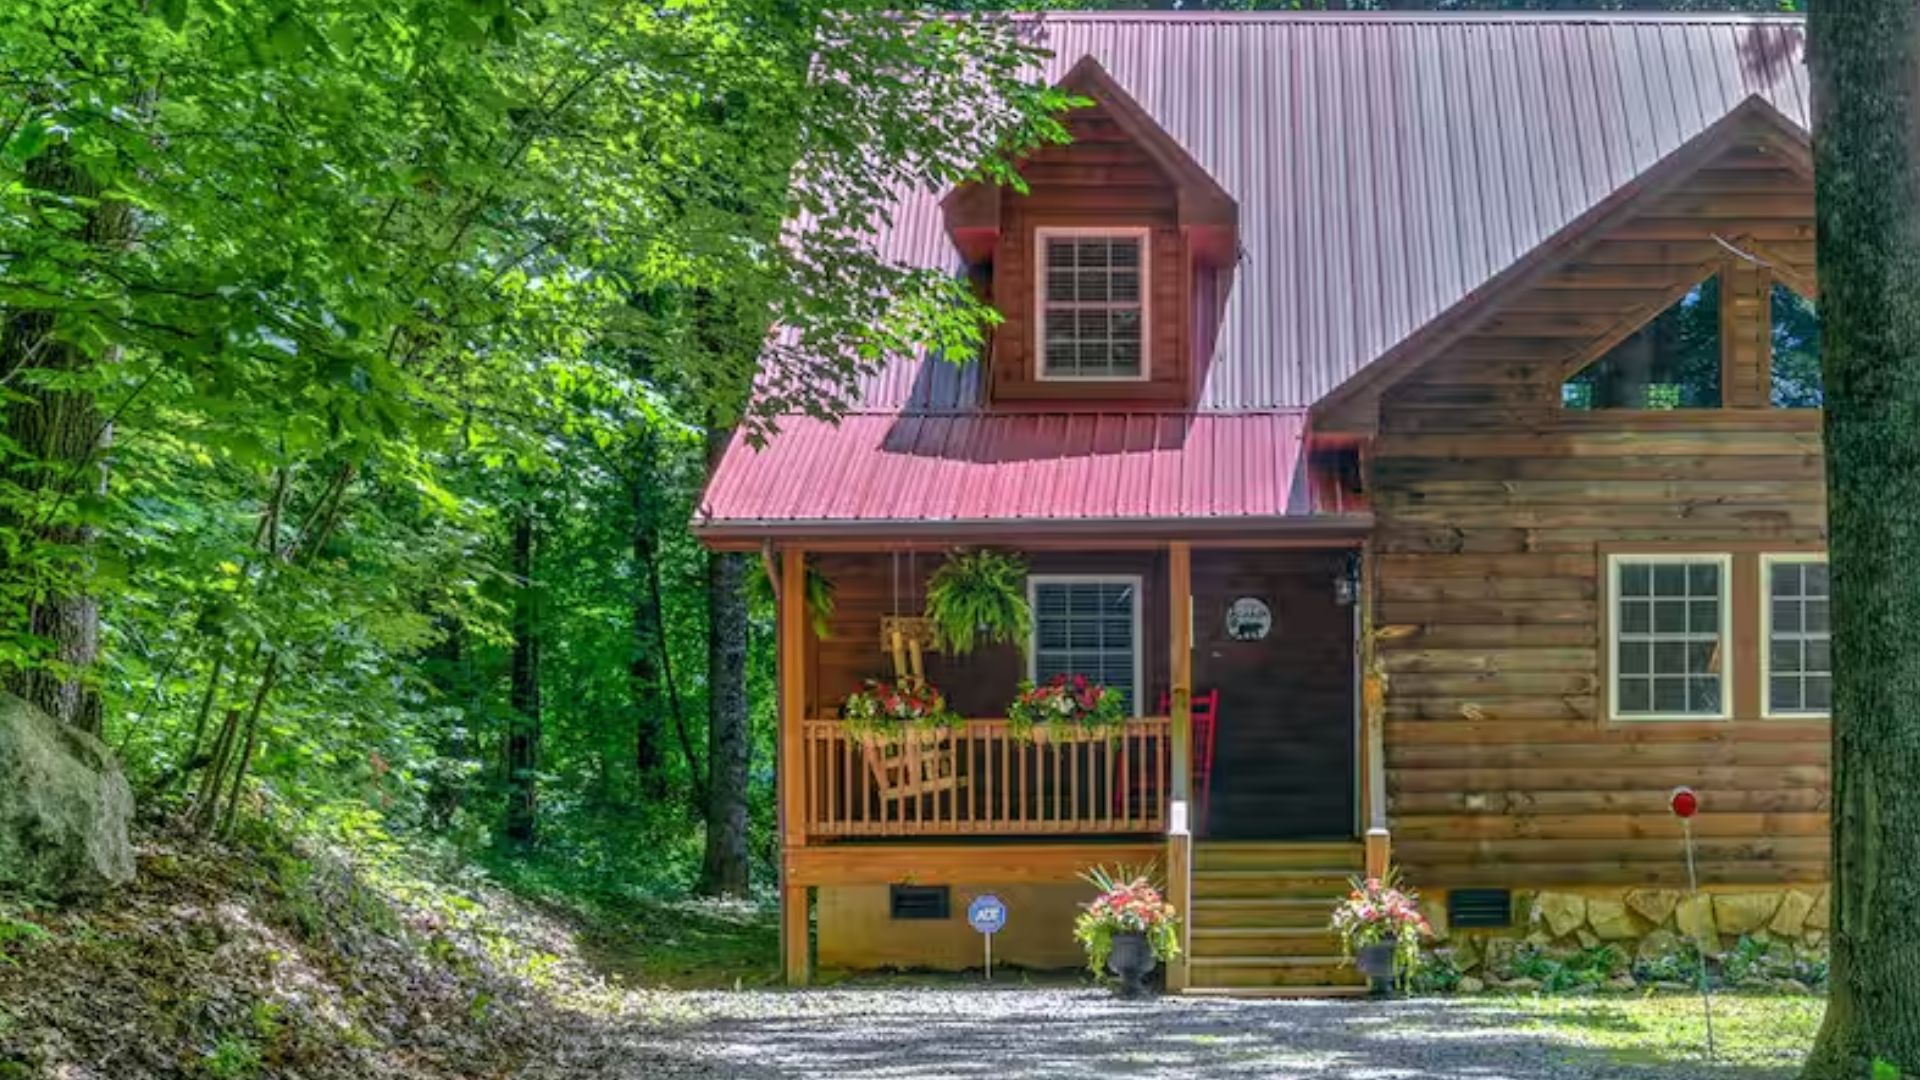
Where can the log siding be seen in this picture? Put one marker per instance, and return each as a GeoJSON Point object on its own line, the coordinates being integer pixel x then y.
{"type": "Point", "coordinates": [1496, 512]}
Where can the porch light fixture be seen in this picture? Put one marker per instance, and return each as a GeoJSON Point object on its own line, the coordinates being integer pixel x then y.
{"type": "Point", "coordinates": [1346, 584]}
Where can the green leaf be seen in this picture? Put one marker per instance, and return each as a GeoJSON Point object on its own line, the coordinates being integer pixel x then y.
{"type": "Point", "coordinates": [31, 140]}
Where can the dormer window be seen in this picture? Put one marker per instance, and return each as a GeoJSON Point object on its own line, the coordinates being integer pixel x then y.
{"type": "Point", "coordinates": [1092, 309]}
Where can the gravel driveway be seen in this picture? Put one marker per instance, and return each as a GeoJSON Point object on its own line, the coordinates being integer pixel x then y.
{"type": "Point", "coordinates": [1060, 1034]}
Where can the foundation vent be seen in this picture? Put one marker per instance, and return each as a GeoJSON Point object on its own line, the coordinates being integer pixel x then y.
{"type": "Point", "coordinates": [920, 901]}
{"type": "Point", "coordinates": [1469, 909]}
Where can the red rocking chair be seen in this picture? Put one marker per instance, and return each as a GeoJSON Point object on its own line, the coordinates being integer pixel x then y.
{"type": "Point", "coordinates": [1205, 710]}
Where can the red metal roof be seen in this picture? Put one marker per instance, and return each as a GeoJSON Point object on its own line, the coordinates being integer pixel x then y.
{"type": "Point", "coordinates": [984, 467]}
{"type": "Point", "coordinates": [1386, 167]}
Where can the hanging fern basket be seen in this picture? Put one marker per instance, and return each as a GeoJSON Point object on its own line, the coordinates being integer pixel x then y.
{"type": "Point", "coordinates": [979, 597]}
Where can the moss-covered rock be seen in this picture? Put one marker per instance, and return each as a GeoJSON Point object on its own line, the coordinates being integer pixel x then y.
{"type": "Point", "coordinates": [1466, 954]}
{"type": "Point", "coordinates": [1499, 954]}
{"type": "Point", "coordinates": [1694, 917]}
{"type": "Point", "coordinates": [1791, 918]}
{"type": "Point", "coordinates": [65, 807]}
{"type": "Point", "coordinates": [1656, 946]}
{"type": "Point", "coordinates": [1562, 913]}
{"type": "Point", "coordinates": [1653, 905]}
{"type": "Point", "coordinates": [1818, 918]}
{"type": "Point", "coordinates": [1610, 920]}
{"type": "Point", "coordinates": [1744, 913]}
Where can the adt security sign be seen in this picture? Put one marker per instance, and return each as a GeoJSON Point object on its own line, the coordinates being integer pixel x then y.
{"type": "Point", "coordinates": [987, 915]}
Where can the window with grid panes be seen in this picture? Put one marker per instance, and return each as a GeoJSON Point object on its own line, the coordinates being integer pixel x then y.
{"type": "Point", "coordinates": [1669, 624]}
{"type": "Point", "coordinates": [1088, 626]}
{"type": "Point", "coordinates": [1799, 657]}
{"type": "Point", "coordinates": [1093, 311]}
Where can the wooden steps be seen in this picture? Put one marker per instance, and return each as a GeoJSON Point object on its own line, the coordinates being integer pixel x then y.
{"type": "Point", "coordinates": [1244, 912]}
{"type": "Point", "coordinates": [1235, 973]}
{"type": "Point", "coordinates": [1259, 919]}
{"type": "Point", "coordinates": [1232, 941]}
{"type": "Point", "coordinates": [1287, 884]}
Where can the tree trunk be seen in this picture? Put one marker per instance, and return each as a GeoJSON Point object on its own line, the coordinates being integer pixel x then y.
{"type": "Point", "coordinates": [729, 736]}
{"type": "Point", "coordinates": [645, 678]}
{"type": "Point", "coordinates": [522, 752]}
{"type": "Point", "coordinates": [1865, 57]}
{"type": "Point", "coordinates": [57, 433]}
{"type": "Point", "coordinates": [447, 670]}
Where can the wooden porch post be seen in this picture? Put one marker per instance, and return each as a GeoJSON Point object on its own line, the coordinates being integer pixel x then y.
{"type": "Point", "coordinates": [1179, 827]}
{"type": "Point", "coordinates": [1373, 717]}
{"type": "Point", "coordinates": [796, 957]}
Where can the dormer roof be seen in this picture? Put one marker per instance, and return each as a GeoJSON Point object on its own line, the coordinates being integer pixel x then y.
{"type": "Point", "coordinates": [1207, 213]}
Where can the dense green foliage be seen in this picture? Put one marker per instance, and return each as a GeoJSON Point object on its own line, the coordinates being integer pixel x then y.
{"type": "Point", "coordinates": [1796, 350]}
{"type": "Point", "coordinates": [1673, 362]}
{"type": "Point", "coordinates": [359, 363]}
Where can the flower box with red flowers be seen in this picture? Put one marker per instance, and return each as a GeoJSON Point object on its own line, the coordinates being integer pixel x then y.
{"type": "Point", "coordinates": [886, 712]}
{"type": "Point", "coordinates": [1066, 708]}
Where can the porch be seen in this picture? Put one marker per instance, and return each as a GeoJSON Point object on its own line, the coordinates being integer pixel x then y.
{"type": "Point", "coordinates": [1272, 629]}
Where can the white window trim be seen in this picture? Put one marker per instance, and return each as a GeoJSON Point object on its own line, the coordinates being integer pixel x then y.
{"type": "Point", "coordinates": [1615, 560]}
{"type": "Point", "coordinates": [1034, 581]}
{"type": "Point", "coordinates": [1040, 237]}
{"type": "Point", "coordinates": [1767, 560]}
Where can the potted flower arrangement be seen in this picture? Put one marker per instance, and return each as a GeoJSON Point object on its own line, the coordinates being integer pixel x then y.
{"type": "Point", "coordinates": [1065, 705]}
{"type": "Point", "coordinates": [1129, 929]}
{"type": "Point", "coordinates": [884, 713]}
{"type": "Point", "coordinates": [1380, 929]}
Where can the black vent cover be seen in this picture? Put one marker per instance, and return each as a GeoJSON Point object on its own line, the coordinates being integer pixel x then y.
{"type": "Point", "coordinates": [920, 901]}
{"type": "Point", "coordinates": [1471, 908]}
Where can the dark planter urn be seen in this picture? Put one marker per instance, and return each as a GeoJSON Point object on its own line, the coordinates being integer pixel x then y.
{"type": "Point", "coordinates": [1376, 963]}
{"type": "Point", "coordinates": [1131, 961]}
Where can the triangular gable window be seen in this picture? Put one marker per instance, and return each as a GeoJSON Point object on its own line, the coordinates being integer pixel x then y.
{"type": "Point", "coordinates": [1672, 362]}
{"type": "Point", "coordinates": [1796, 351]}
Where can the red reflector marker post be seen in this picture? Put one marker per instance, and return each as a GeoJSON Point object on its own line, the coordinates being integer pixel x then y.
{"type": "Point", "coordinates": [1685, 804]}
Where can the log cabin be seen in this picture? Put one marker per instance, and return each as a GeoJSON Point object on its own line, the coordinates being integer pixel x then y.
{"type": "Point", "coordinates": [1435, 398]}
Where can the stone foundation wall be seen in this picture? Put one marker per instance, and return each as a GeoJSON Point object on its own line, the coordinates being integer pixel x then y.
{"type": "Point", "coordinates": [1781, 932]}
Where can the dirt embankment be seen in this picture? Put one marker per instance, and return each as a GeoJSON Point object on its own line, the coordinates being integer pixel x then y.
{"type": "Point", "coordinates": [260, 960]}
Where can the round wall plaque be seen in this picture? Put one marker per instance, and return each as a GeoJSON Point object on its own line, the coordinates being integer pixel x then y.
{"type": "Point", "coordinates": [1249, 619]}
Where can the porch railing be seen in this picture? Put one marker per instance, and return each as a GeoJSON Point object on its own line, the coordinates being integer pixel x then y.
{"type": "Point", "coordinates": [982, 780]}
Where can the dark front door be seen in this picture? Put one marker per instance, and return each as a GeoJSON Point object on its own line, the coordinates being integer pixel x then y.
{"type": "Point", "coordinates": [1284, 755]}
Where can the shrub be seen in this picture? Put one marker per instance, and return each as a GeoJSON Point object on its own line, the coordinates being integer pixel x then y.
{"type": "Point", "coordinates": [1745, 960]}
{"type": "Point", "coordinates": [1561, 972]}
{"type": "Point", "coordinates": [18, 935]}
{"type": "Point", "coordinates": [232, 1059]}
{"type": "Point", "coordinates": [1437, 973]}
{"type": "Point", "coordinates": [1681, 965]}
